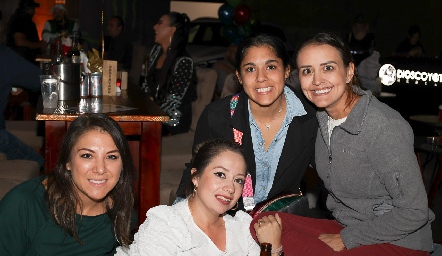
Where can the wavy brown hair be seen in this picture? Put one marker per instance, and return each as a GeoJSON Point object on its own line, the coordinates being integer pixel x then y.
{"type": "Point", "coordinates": [63, 199]}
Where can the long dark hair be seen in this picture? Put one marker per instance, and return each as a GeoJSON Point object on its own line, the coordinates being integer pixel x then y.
{"type": "Point", "coordinates": [344, 51]}
{"type": "Point", "coordinates": [178, 44]}
{"type": "Point", "coordinates": [61, 195]}
{"type": "Point", "coordinates": [204, 154]}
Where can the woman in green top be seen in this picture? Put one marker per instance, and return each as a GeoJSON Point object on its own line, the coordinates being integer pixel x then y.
{"type": "Point", "coordinates": [83, 207]}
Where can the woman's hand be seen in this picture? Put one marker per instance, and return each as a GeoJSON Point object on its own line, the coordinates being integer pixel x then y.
{"type": "Point", "coordinates": [268, 230]}
{"type": "Point", "coordinates": [333, 240]}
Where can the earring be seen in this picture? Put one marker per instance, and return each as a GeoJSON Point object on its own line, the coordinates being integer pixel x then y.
{"type": "Point", "coordinates": [170, 39]}
{"type": "Point", "coordinates": [236, 207]}
{"type": "Point", "coordinates": [194, 191]}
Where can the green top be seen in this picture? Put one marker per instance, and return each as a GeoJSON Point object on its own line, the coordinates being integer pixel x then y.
{"type": "Point", "coordinates": [27, 227]}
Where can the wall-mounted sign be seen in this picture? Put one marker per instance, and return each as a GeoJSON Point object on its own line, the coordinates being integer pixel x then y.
{"type": "Point", "coordinates": [389, 74]}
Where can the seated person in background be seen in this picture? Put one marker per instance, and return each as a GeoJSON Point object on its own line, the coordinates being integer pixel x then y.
{"type": "Point", "coordinates": [365, 156]}
{"type": "Point", "coordinates": [84, 206]}
{"type": "Point", "coordinates": [117, 44]}
{"type": "Point", "coordinates": [231, 86]}
{"type": "Point", "coordinates": [368, 73]}
{"type": "Point", "coordinates": [411, 46]}
{"type": "Point", "coordinates": [360, 40]}
{"type": "Point", "coordinates": [361, 43]}
{"type": "Point", "coordinates": [225, 67]}
{"type": "Point", "coordinates": [60, 24]}
{"type": "Point", "coordinates": [18, 72]}
{"type": "Point", "coordinates": [199, 224]}
{"type": "Point", "coordinates": [274, 122]}
{"type": "Point", "coordinates": [22, 34]}
{"type": "Point", "coordinates": [170, 76]}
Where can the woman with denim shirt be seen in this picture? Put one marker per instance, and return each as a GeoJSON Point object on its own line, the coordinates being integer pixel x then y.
{"type": "Point", "coordinates": [272, 121]}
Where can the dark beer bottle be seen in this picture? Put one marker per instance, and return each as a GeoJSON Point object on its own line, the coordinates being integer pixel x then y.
{"type": "Point", "coordinates": [74, 54]}
{"type": "Point", "coordinates": [266, 249]}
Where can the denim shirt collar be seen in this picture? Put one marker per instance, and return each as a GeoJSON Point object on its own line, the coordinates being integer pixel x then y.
{"type": "Point", "coordinates": [293, 105]}
{"type": "Point", "coordinates": [267, 161]}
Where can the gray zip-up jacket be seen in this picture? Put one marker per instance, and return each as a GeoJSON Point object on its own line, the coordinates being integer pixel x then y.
{"type": "Point", "coordinates": [371, 172]}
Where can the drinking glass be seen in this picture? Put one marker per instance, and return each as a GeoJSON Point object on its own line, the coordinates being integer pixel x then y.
{"type": "Point", "coordinates": [49, 90]}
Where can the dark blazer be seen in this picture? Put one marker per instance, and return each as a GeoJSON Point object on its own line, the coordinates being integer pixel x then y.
{"type": "Point", "coordinates": [298, 152]}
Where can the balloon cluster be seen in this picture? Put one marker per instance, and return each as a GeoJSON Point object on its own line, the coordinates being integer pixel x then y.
{"type": "Point", "coordinates": [237, 19]}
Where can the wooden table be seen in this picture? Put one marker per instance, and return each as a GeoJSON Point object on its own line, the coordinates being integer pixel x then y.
{"type": "Point", "coordinates": [431, 120]}
{"type": "Point", "coordinates": [141, 125]}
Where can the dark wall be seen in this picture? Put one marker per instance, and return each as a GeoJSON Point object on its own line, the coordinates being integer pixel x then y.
{"type": "Point", "coordinates": [389, 19]}
{"type": "Point", "coordinates": [139, 17]}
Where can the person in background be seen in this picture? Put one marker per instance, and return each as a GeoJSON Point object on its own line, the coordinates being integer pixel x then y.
{"type": "Point", "coordinates": [275, 123]}
{"type": "Point", "coordinates": [199, 224]}
{"type": "Point", "coordinates": [411, 46]}
{"type": "Point", "coordinates": [225, 67]}
{"type": "Point", "coordinates": [119, 48]}
{"type": "Point", "coordinates": [365, 156]}
{"type": "Point", "coordinates": [362, 47]}
{"type": "Point", "coordinates": [360, 40]}
{"type": "Point", "coordinates": [20, 73]}
{"type": "Point", "coordinates": [22, 35]}
{"type": "Point", "coordinates": [170, 77]}
{"type": "Point", "coordinates": [60, 24]}
{"type": "Point", "coordinates": [84, 206]}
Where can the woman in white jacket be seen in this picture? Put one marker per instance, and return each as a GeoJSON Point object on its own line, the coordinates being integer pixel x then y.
{"type": "Point", "coordinates": [199, 224]}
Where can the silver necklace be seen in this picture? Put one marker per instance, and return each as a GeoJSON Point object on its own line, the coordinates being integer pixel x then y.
{"type": "Point", "coordinates": [276, 116]}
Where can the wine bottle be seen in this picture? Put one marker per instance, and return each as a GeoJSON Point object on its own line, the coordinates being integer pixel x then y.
{"type": "Point", "coordinates": [74, 54]}
{"type": "Point", "coordinates": [266, 249]}
{"type": "Point", "coordinates": [57, 56]}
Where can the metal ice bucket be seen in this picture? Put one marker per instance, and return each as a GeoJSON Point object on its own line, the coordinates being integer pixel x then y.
{"type": "Point", "coordinates": [70, 74]}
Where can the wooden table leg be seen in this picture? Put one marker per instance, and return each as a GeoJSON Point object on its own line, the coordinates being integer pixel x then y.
{"type": "Point", "coordinates": [54, 131]}
{"type": "Point", "coordinates": [150, 167]}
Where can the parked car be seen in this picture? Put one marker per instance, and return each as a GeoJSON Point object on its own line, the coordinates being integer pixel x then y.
{"type": "Point", "coordinates": [207, 44]}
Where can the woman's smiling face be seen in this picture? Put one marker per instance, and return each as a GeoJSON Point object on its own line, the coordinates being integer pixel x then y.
{"type": "Point", "coordinates": [95, 166]}
{"type": "Point", "coordinates": [323, 76]}
{"type": "Point", "coordinates": [220, 185]}
{"type": "Point", "coordinates": [262, 75]}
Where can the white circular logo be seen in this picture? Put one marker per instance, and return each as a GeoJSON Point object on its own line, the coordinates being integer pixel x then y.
{"type": "Point", "coordinates": [387, 73]}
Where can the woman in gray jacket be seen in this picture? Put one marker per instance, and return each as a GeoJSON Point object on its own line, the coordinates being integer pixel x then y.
{"type": "Point", "coordinates": [364, 154]}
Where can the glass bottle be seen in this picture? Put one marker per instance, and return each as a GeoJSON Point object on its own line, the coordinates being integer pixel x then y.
{"type": "Point", "coordinates": [74, 54]}
{"type": "Point", "coordinates": [266, 249]}
{"type": "Point", "coordinates": [58, 55]}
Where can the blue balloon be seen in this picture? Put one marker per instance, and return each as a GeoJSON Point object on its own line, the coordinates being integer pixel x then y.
{"type": "Point", "coordinates": [225, 14]}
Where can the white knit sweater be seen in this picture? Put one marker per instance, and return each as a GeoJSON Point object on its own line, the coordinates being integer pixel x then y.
{"type": "Point", "coordinates": [170, 230]}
